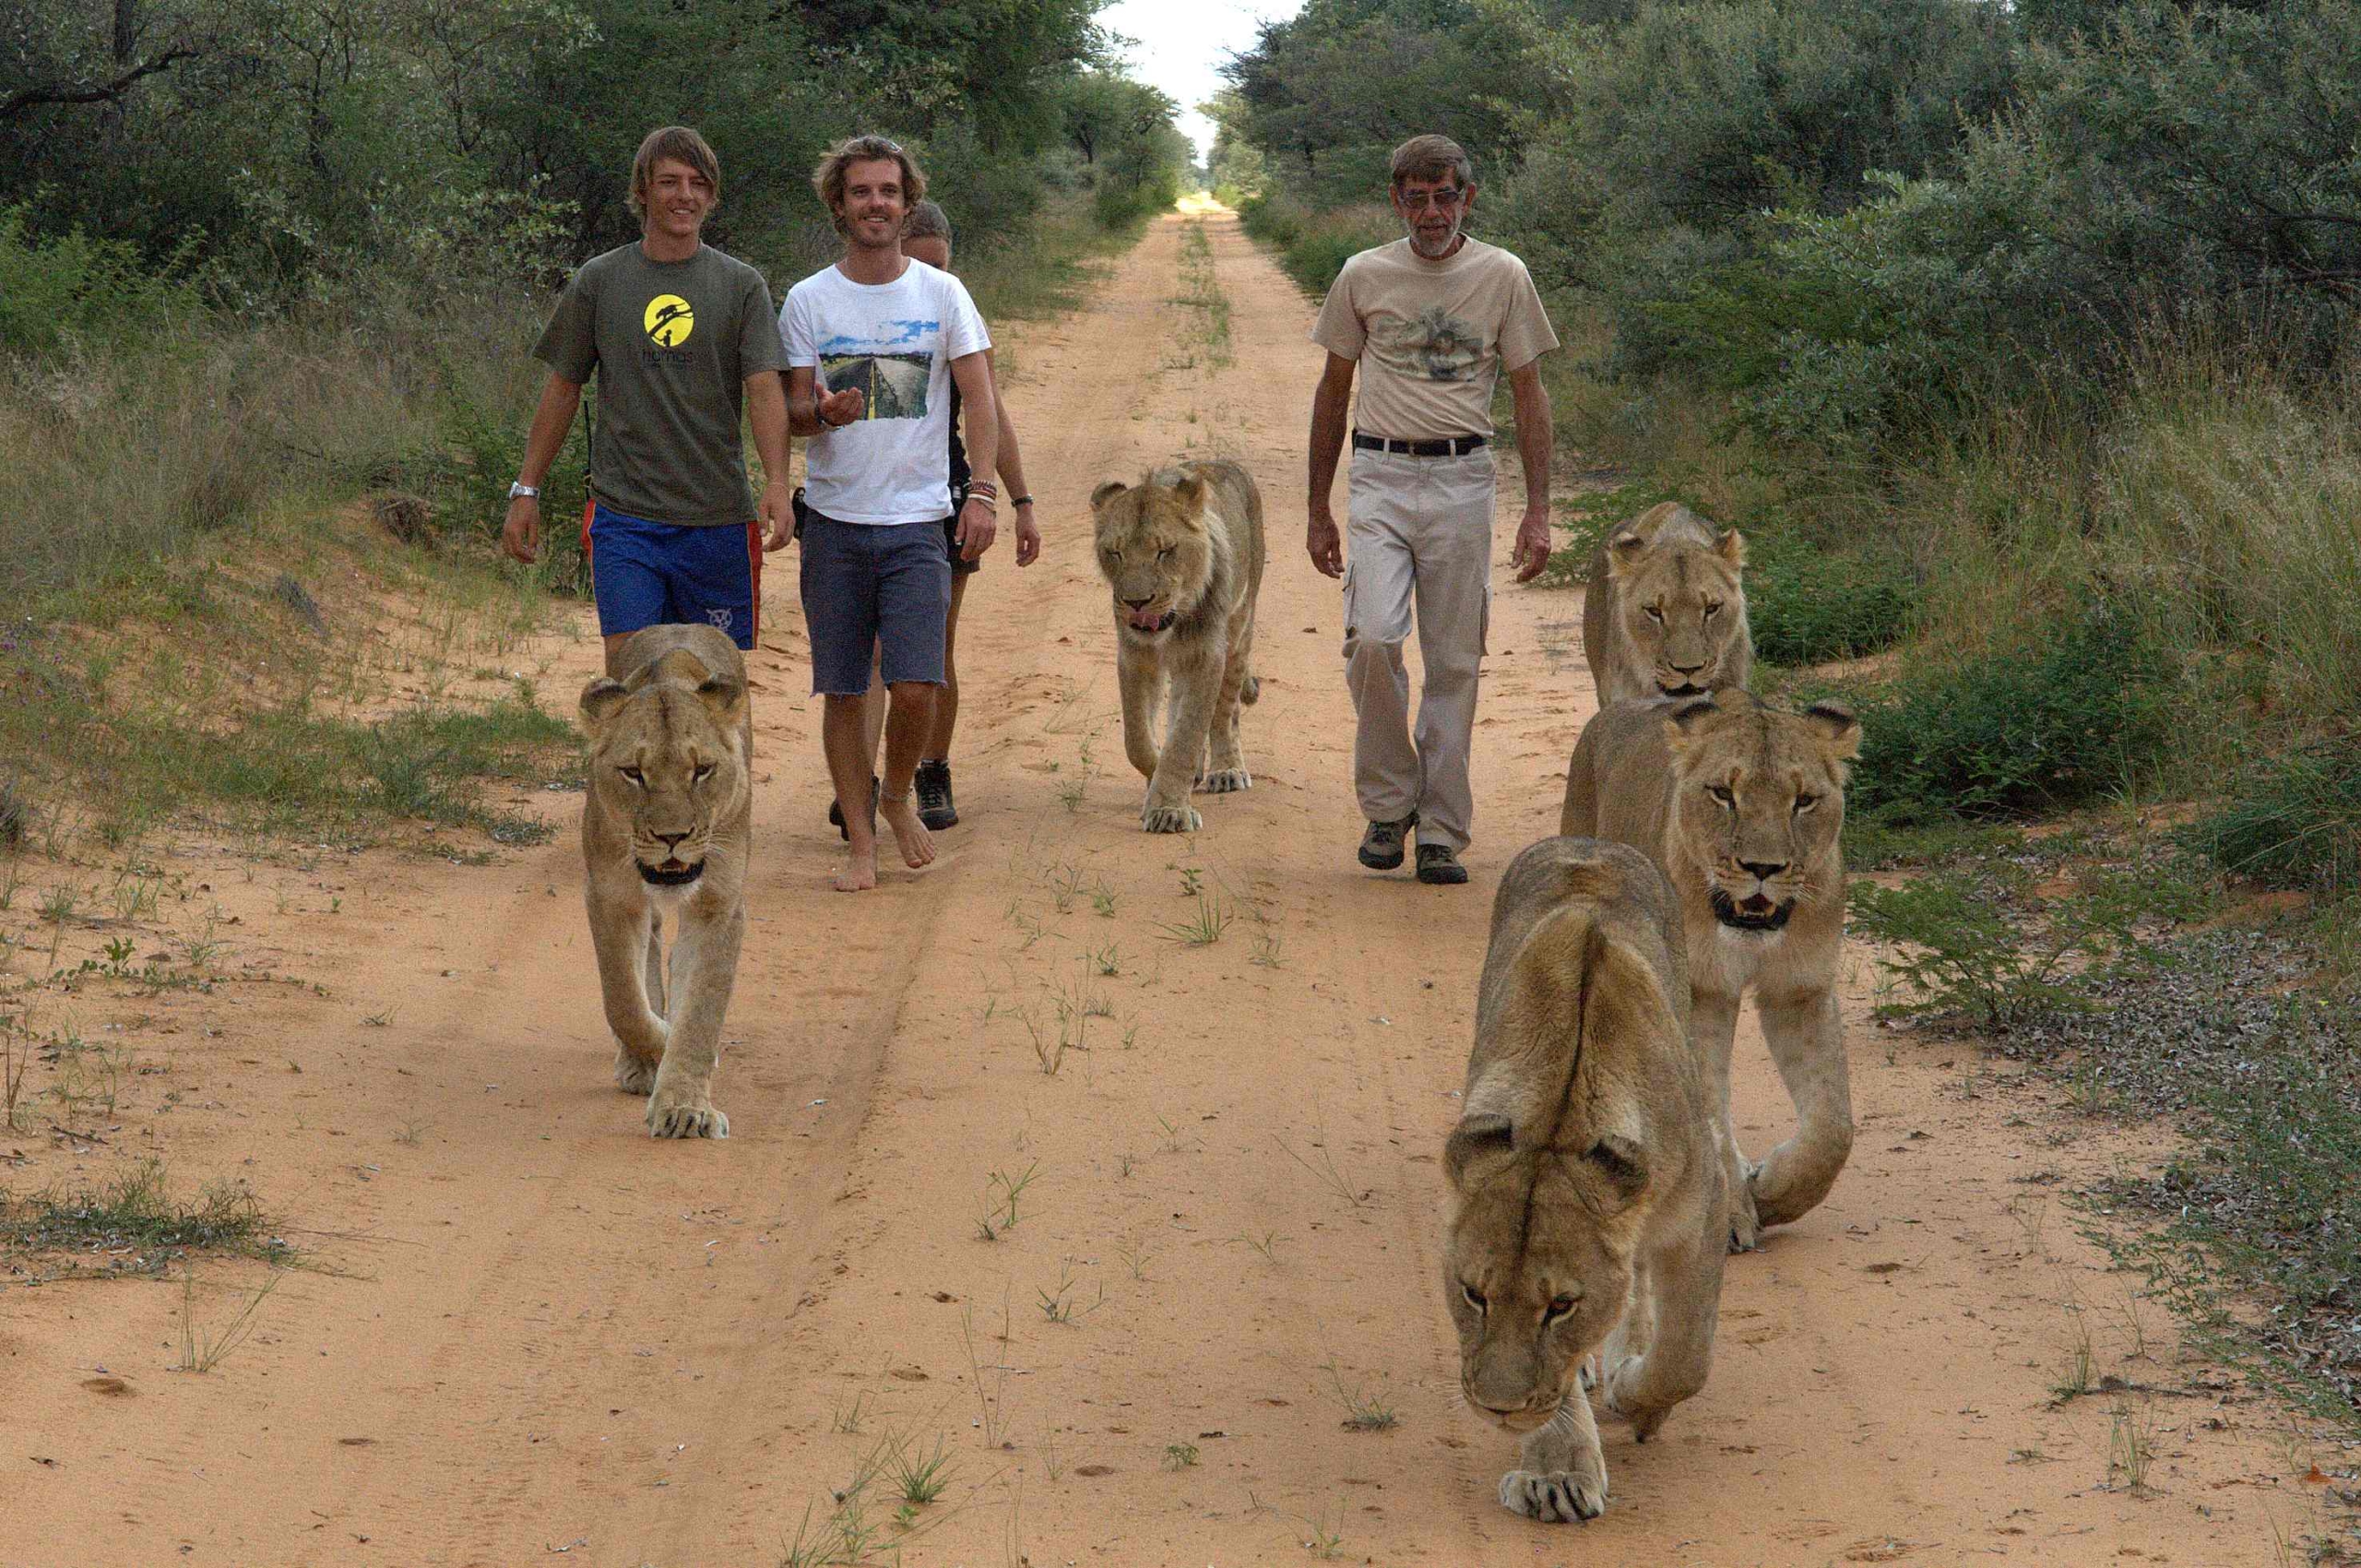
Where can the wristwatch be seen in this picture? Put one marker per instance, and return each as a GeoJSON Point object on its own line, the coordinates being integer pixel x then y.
{"type": "Point", "coordinates": [527, 492]}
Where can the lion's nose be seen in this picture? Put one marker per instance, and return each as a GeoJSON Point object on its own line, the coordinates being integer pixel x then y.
{"type": "Point", "coordinates": [1688, 669]}
{"type": "Point", "coordinates": [1766, 870]}
{"type": "Point", "coordinates": [671, 840]}
{"type": "Point", "coordinates": [1141, 603]}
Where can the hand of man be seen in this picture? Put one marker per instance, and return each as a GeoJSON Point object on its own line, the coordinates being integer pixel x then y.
{"type": "Point", "coordinates": [1327, 549]}
{"type": "Point", "coordinates": [1029, 537]}
{"type": "Point", "coordinates": [777, 515]}
{"type": "Point", "coordinates": [1531, 552]}
{"type": "Point", "coordinates": [841, 408]}
{"type": "Point", "coordinates": [520, 536]}
{"type": "Point", "coordinates": [976, 528]}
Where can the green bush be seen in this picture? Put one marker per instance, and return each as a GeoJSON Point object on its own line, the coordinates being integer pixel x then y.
{"type": "Point", "coordinates": [2080, 708]}
{"type": "Point", "coordinates": [2293, 820]}
{"type": "Point", "coordinates": [1808, 604]}
{"type": "Point", "coordinates": [1314, 246]}
{"type": "Point", "coordinates": [76, 287]}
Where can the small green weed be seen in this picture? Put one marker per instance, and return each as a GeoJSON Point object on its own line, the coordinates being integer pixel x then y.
{"type": "Point", "coordinates": [1180, 1455]}
{"type": "Point", "coordinates": [202, 1349]}
{"type": "Point", "coordinates": [1364, 1411]}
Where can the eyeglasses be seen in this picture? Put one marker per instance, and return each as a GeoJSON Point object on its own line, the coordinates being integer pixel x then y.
{"type": "Point", "coordinates": [1443, 200]}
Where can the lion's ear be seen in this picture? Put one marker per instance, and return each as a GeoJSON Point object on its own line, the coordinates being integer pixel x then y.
{"type": "Point", "coordinates": [1731, 548]}
{"type": "Point", "coordinates": [1624, 552]}
{"type": "Point", "coordinates": [600, 700]}
{"type": "Point", "coordinates": [725, 699]}
{"type": "Point", "coordinates": [1481, 1136]}
{"type": "Point", "coordinates": [1837, 728]}
{"type": "Point", "coordinates": [1190, 494]}
{"type": "Point", "coordinates": [1688, 720]}
{"type": "Point", "coordinates": [1106, 493]}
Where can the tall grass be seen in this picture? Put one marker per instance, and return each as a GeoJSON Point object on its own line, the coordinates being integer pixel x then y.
{"type": "Point", "coordinates": [1313, 244]}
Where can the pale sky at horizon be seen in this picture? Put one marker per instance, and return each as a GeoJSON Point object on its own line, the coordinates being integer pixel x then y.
{"type": "Point", "coordinates": [1180, 49]}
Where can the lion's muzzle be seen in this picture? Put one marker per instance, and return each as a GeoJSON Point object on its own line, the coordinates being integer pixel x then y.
{"type": "Point", "coordinates": [1756, 911]}
{"type": "Point", "coordinates": [672, 874]}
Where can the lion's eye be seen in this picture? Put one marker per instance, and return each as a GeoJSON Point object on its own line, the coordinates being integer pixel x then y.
{"type": "Point", "coordinates": [632, 774]}
{"type": "Point", "coordinates": [1655, 613]}
{"type": "Point", "coordinates": [1559, 1307]}
{"type": "Point", "coordinates": [1721, 794]}
{"type": "Point", "coordinates": [704, 771]}
{"type": "Point", "coordinates": [1475, 1297]}
{"type": "Point", "coordinates": [1164, 553]}
{"type": "Point", "coordinates": [1711, 610]}
{"type": "Point", "coordinates": [1805, 802]}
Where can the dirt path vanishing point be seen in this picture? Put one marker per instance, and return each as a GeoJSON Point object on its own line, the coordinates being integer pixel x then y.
{"type": "Point", "coordinates": [539, 1336]}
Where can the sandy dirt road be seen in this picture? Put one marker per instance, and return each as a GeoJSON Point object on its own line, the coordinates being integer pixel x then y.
{"type": "Point", "coordinates": [537, 1336]}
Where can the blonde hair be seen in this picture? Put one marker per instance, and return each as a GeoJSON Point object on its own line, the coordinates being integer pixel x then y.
{"type": "Point", "coordinates": [1432, 158]}
{"type": "Point", "coordinates": [828, 175]}
{"type": "Point", "coordinates": [682, 146]}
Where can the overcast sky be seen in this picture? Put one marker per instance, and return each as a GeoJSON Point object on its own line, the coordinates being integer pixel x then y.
{"type": "Point", "coordinates": [1180, 47]}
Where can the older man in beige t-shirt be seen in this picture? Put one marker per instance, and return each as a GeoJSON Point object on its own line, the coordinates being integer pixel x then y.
{"type": "Point", "coordinates": [1433, 318]}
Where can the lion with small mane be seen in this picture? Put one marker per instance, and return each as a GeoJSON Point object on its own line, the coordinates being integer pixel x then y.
{"type": "Point", "coordinates": [1741, 804]}
{"type": "Point", "coordinates": [665, 822]}
{"type": "Point", "coordinates": [1183, 552]}
{"type": "Point", "coordinates": [1664, 614]}
{"type": "Point", "coordinates": [1587, 1210]}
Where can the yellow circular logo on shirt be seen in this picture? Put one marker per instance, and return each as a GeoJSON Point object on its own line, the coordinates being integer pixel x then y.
{"type": "Point", "coordinates": [669, 321]}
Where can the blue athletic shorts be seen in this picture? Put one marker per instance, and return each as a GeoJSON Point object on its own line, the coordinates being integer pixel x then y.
{"type": "Point", "coordinates": [886, 586]}
{"type": "Point", "coordinates": [649, 574]}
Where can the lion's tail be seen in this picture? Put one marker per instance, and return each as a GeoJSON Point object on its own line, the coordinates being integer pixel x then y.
{"type": "Point", "coordinates": [1251, 690]}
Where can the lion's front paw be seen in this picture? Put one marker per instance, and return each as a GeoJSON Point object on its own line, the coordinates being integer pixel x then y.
{"type": "Point", "coordinates": [1559, 1497]}
{"type": "Point", "coordinates": [635, 1075]}
{"type": "Point", "coordinates": [1170, 819]}
{"type": "Point", "coordinates": [669, 1117]}
{"type": "Point", "coordinates": [1227, 781]}
{"type": "Point", "coordinates": [1622, 1386]}
{"type": "Point", "coordinates": [1746, 1226]}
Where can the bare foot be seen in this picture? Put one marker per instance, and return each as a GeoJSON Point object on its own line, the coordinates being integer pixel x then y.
{"type": "Point", "coordinates": [860, 868]}
{"type": "Point", "coordinates": [917, 843]}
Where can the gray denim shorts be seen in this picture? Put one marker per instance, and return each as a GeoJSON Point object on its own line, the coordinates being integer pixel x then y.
{"type": "Point", "coordinates": [884, 584]}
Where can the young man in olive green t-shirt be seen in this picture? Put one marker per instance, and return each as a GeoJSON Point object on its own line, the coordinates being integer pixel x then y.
{"type": "Point", "coordinates": [682, 340]}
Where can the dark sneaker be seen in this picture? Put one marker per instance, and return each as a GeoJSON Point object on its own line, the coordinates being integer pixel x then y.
{"type": "Point", "coordinates": [1439, 863]}
{"type": "Point", "coordinates": [837, 812]}
{"type": "Point", "coordinates": [1382, 845]}
{"type": "Point", "coordinates": [933, 787]}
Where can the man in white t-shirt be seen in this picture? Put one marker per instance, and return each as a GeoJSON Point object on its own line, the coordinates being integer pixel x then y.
{"type": "Point", "coordinates": [875, 344]}
{"type": "Point", "coordinates": [1431, 321]}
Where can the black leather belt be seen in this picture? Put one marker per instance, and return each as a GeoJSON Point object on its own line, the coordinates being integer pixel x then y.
{"type": "Point", "coordinates": [1444, 446]}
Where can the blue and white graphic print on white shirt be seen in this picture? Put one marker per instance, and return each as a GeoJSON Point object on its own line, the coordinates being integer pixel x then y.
{"type": "Point", "coordinates": [896, 342]}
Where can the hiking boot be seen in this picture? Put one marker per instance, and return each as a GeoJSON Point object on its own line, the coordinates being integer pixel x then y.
{"type": "Point", "coordinates": [933, 786]}
{"type": "Point", "coordinates": [1382, 845]}
{"type": "Point", "coordinates": [837, 812]}
{"type": "Point", "coordinates": [1439, 863]}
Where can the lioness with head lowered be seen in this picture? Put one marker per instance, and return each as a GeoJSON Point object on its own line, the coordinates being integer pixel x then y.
{"type": "Point", "coordinates": [1183, 551]}
{"type": "Point", "coordinates": [1665, 614]}
{"type": "Point", "coordinates": [665, 825]}
{"type": "Point", "coordinates": [1586, 1182]}
{"type": "Point", "coordinates": [1741, 804]}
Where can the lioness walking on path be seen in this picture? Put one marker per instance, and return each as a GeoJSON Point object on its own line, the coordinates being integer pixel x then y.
{"type": "Point", "coordinates": [874, 344]}
{"type": "Point", "coordinates": [681, 339]}
{"type": "Point", "coordinates": [1433, 318]}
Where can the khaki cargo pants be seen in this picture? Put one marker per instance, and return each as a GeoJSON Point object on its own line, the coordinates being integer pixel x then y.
{"type": "Point", "coordinates": [1418, 536]}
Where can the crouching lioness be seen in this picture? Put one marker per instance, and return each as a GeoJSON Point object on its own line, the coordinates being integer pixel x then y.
{"type": "Point", "coordinates": [1587, 1188]}
{"type": "Point", "coordinates": [1742, 804]}
{"type": "Point", "coordinates": [1182, 552]}
{"type": "Point", "coordinates": [665, 825]}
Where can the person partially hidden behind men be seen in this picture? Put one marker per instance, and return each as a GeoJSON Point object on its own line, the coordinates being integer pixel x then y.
{"type": "Point", "coordinates": [1430, 321]}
